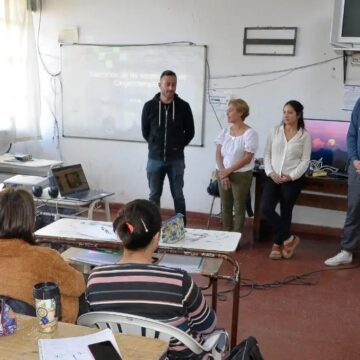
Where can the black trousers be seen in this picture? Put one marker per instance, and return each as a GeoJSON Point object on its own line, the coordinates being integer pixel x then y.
{"type": "Point", "coordinates": [285, 194]}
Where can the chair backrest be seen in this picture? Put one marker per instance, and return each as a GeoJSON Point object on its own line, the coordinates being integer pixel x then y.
{"type": "Point", "coordinates": [141, 326]}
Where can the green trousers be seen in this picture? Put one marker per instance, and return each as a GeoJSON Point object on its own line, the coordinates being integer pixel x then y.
{"type": "Point", "coordinates": [233, 200]}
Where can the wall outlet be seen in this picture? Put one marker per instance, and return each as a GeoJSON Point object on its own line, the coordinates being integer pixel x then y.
{"type": "Point", "coordinates": [355, 58]}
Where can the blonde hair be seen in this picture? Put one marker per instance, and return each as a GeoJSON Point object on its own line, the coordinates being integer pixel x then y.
{"type": "Point", "coordinates": [241, 107]}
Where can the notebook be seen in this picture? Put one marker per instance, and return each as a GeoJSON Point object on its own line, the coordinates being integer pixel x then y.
{"type": "Point", "coordinates": [72, 184]}
{"type": "Point", "coordinates": [173, 229]}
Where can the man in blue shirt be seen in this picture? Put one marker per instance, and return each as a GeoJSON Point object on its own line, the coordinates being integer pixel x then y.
{"type": "Point", "coordinates": [351, 230]}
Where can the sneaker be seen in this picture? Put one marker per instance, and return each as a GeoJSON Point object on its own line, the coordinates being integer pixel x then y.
{"type": "Point", "coordinates": [342, 258]}
{"type": "Point", "coordinates": [275, 252]}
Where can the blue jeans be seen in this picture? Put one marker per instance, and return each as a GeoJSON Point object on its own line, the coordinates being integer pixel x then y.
{"type": "Point", "coordinates": [156, 171]}
{"type": "Point", "coordinates": [351, 230]}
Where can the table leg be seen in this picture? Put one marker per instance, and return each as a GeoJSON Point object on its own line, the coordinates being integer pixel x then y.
{"type": "Point", "coordinates": [214, 293]}
{"type": "Point", "coordinates": [235, 313]}
{"type": "Point", "coordinates": [259, 184]}
{"type": "Point", "coordinates": [107, 210]}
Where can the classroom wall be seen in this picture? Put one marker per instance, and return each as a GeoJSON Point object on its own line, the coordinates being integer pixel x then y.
{"type": "Point", "coordinates": [120, 166]}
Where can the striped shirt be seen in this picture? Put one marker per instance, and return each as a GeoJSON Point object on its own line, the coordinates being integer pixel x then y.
{"type": "Point", "coordinates": [157, 292]}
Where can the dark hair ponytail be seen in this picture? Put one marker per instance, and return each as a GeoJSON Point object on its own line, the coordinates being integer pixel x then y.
{"type": "Point", "coordinates": [299, 108]}
{"type": "Point", "coordinates": [137, 223]}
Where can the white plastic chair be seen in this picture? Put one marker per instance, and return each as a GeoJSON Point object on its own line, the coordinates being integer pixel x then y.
{"type": "Point", "coordinates": [135, 325]}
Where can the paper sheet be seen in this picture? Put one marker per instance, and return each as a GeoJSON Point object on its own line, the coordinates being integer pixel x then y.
{"type": "Point", "coordinates": [73, 348]}
{"type": "Point", "coordinates": [96, 231]}
{"type": "Point", "coordinates": [351, 94]}
{"type": "Point", "coordinates": [191, 264]}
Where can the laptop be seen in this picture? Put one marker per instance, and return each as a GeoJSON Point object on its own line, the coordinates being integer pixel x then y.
{"type": "Point", "coordinates": [72, 184]}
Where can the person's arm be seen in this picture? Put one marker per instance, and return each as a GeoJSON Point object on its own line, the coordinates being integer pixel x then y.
{"type": "Point", "coordinates": [201, 318]}
{"type": "Point", "coordinates": [225, 181]}
{"type": "Point", "coordinates": [246, 159]}
{"type": "Point", "coordinates": [219, 157]}
{"type": "Point", "coordinates": [145, 124]}
{"type": "Point", "coordinates": [268, 154]}
{"type": "Point", "coordinates": [70, 281]}
{"type": "Point", "coordinates": [189, 128]}
{"type": "Point", "coordinates": [352, 135]}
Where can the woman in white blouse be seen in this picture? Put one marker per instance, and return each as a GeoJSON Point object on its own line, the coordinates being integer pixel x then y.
{"type": "Point", "coordinates": [287, 156]}
{"type": "Point", "coordinates": [235, 149]}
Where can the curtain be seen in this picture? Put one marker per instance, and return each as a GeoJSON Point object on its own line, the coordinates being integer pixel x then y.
{"type": "Point", "coordinates": [19, 74]}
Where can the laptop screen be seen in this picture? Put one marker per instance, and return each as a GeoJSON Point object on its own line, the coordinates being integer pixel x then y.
{"type": "Point", "coordinates": [70, 179]}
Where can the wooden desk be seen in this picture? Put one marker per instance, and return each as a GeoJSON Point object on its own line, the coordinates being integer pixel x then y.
{"type": "Point", "coordinates": [23, 345]}
{"type": "Point", "coordinates": [318, 192]}
{"type": "Point", "coordinates": [197, 242]}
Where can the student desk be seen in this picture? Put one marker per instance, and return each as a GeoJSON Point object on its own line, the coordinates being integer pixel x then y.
{"type": "Point", "coordinates": [24, 343]}
{"type": "Point", "coordinates": [55, 207]}
{"type": "Point", "coordinates": [39, 167]}
{"type": "Point", "coordinates": [205, 243]}
{"type": "Point", "coordinates": [318, 192]}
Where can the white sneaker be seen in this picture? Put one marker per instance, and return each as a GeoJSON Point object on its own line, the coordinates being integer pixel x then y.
{"type": "Point", "coordinates": [342, 258]}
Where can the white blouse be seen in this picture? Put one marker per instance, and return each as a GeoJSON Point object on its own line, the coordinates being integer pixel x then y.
{"type": "Point", "coordinates": [234, 147]}
{"type": "Point", "coordinates": [287, 157]}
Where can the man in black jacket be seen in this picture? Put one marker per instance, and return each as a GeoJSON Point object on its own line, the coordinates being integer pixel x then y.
{"type": "Point", "coordinates": [168, 126]}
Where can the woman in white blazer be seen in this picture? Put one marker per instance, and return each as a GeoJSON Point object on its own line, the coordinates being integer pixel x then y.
{"type": "Point", "coordinates": [286, 159]}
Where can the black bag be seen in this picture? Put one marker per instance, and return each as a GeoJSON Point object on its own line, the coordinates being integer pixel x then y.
{"type": "Point", "coordinates": [248, 349]}
{"type": "Point", "coordinates": [213, 188]}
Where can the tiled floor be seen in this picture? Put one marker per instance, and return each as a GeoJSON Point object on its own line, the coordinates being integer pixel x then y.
{"type": "Point", "coordinates": [320, 320]}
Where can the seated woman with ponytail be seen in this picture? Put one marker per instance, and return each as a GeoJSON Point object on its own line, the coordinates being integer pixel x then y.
{"type": "Point", "coordinates": [136, 286]}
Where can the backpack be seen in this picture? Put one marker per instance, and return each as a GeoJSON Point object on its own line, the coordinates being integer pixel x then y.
{"type": "Point", "coordinates": [248, 349]}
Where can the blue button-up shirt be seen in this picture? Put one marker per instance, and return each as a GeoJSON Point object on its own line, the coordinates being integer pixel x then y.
{"type": "Point", "coordinates": [353, 135]}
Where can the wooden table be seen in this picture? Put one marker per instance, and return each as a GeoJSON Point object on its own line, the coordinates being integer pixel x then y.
{"type": "Point", "coordinates": [23, 345]}
{"type": "Point", "coordinates": [205, 243]}
{"type": "Point", "coordinates": [318, 192]}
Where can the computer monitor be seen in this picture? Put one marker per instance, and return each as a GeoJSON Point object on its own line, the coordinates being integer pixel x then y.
{"type": "Point", "coordinates": [328, 141]}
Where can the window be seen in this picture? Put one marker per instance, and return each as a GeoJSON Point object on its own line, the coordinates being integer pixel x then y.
{"type": "Point", "coordinates": [19, 74]}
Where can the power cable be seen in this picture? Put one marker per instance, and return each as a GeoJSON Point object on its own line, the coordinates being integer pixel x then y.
{"type": "Point", "coordinates": [301, 279]}
{"type": "Point", "coordinates": [277, 71]}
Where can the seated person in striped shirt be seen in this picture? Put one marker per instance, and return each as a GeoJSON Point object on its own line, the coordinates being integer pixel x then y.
{"type": "Point", "coordinates": [136, 286]}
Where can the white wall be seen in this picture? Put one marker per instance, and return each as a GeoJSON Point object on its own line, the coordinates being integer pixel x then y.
{"type": "Point", "coordinates": [120, 166]}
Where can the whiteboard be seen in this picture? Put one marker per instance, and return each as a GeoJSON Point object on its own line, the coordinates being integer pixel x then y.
{"type": "Point", "coordinates": [106, 87]}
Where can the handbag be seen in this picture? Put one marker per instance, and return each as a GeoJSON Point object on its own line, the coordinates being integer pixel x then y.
{"type": "Point", "coordinates": [213, 188]}
{"type": "Point", "coordinates": [7, 319]}
{"type": "Point", "coordinates": [248, 349]}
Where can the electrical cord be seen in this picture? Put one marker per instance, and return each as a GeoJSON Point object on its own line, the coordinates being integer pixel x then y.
{"type": "Point", "coordinates": [317, 165]}
{"type": "Point", "coordinates": [277, 71]}
{"type": "Point", "coordinates": [38, 44]}
{"type": "Point", "coordinates": [208, 93]}
{"type": "Point", "coordinates": [9, 148]}
{"type": "Point", "coordinates": [301, 279]}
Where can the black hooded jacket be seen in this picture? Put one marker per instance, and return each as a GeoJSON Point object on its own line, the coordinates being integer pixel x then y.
{"type": "Point", "coordinates": [167, 128]}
